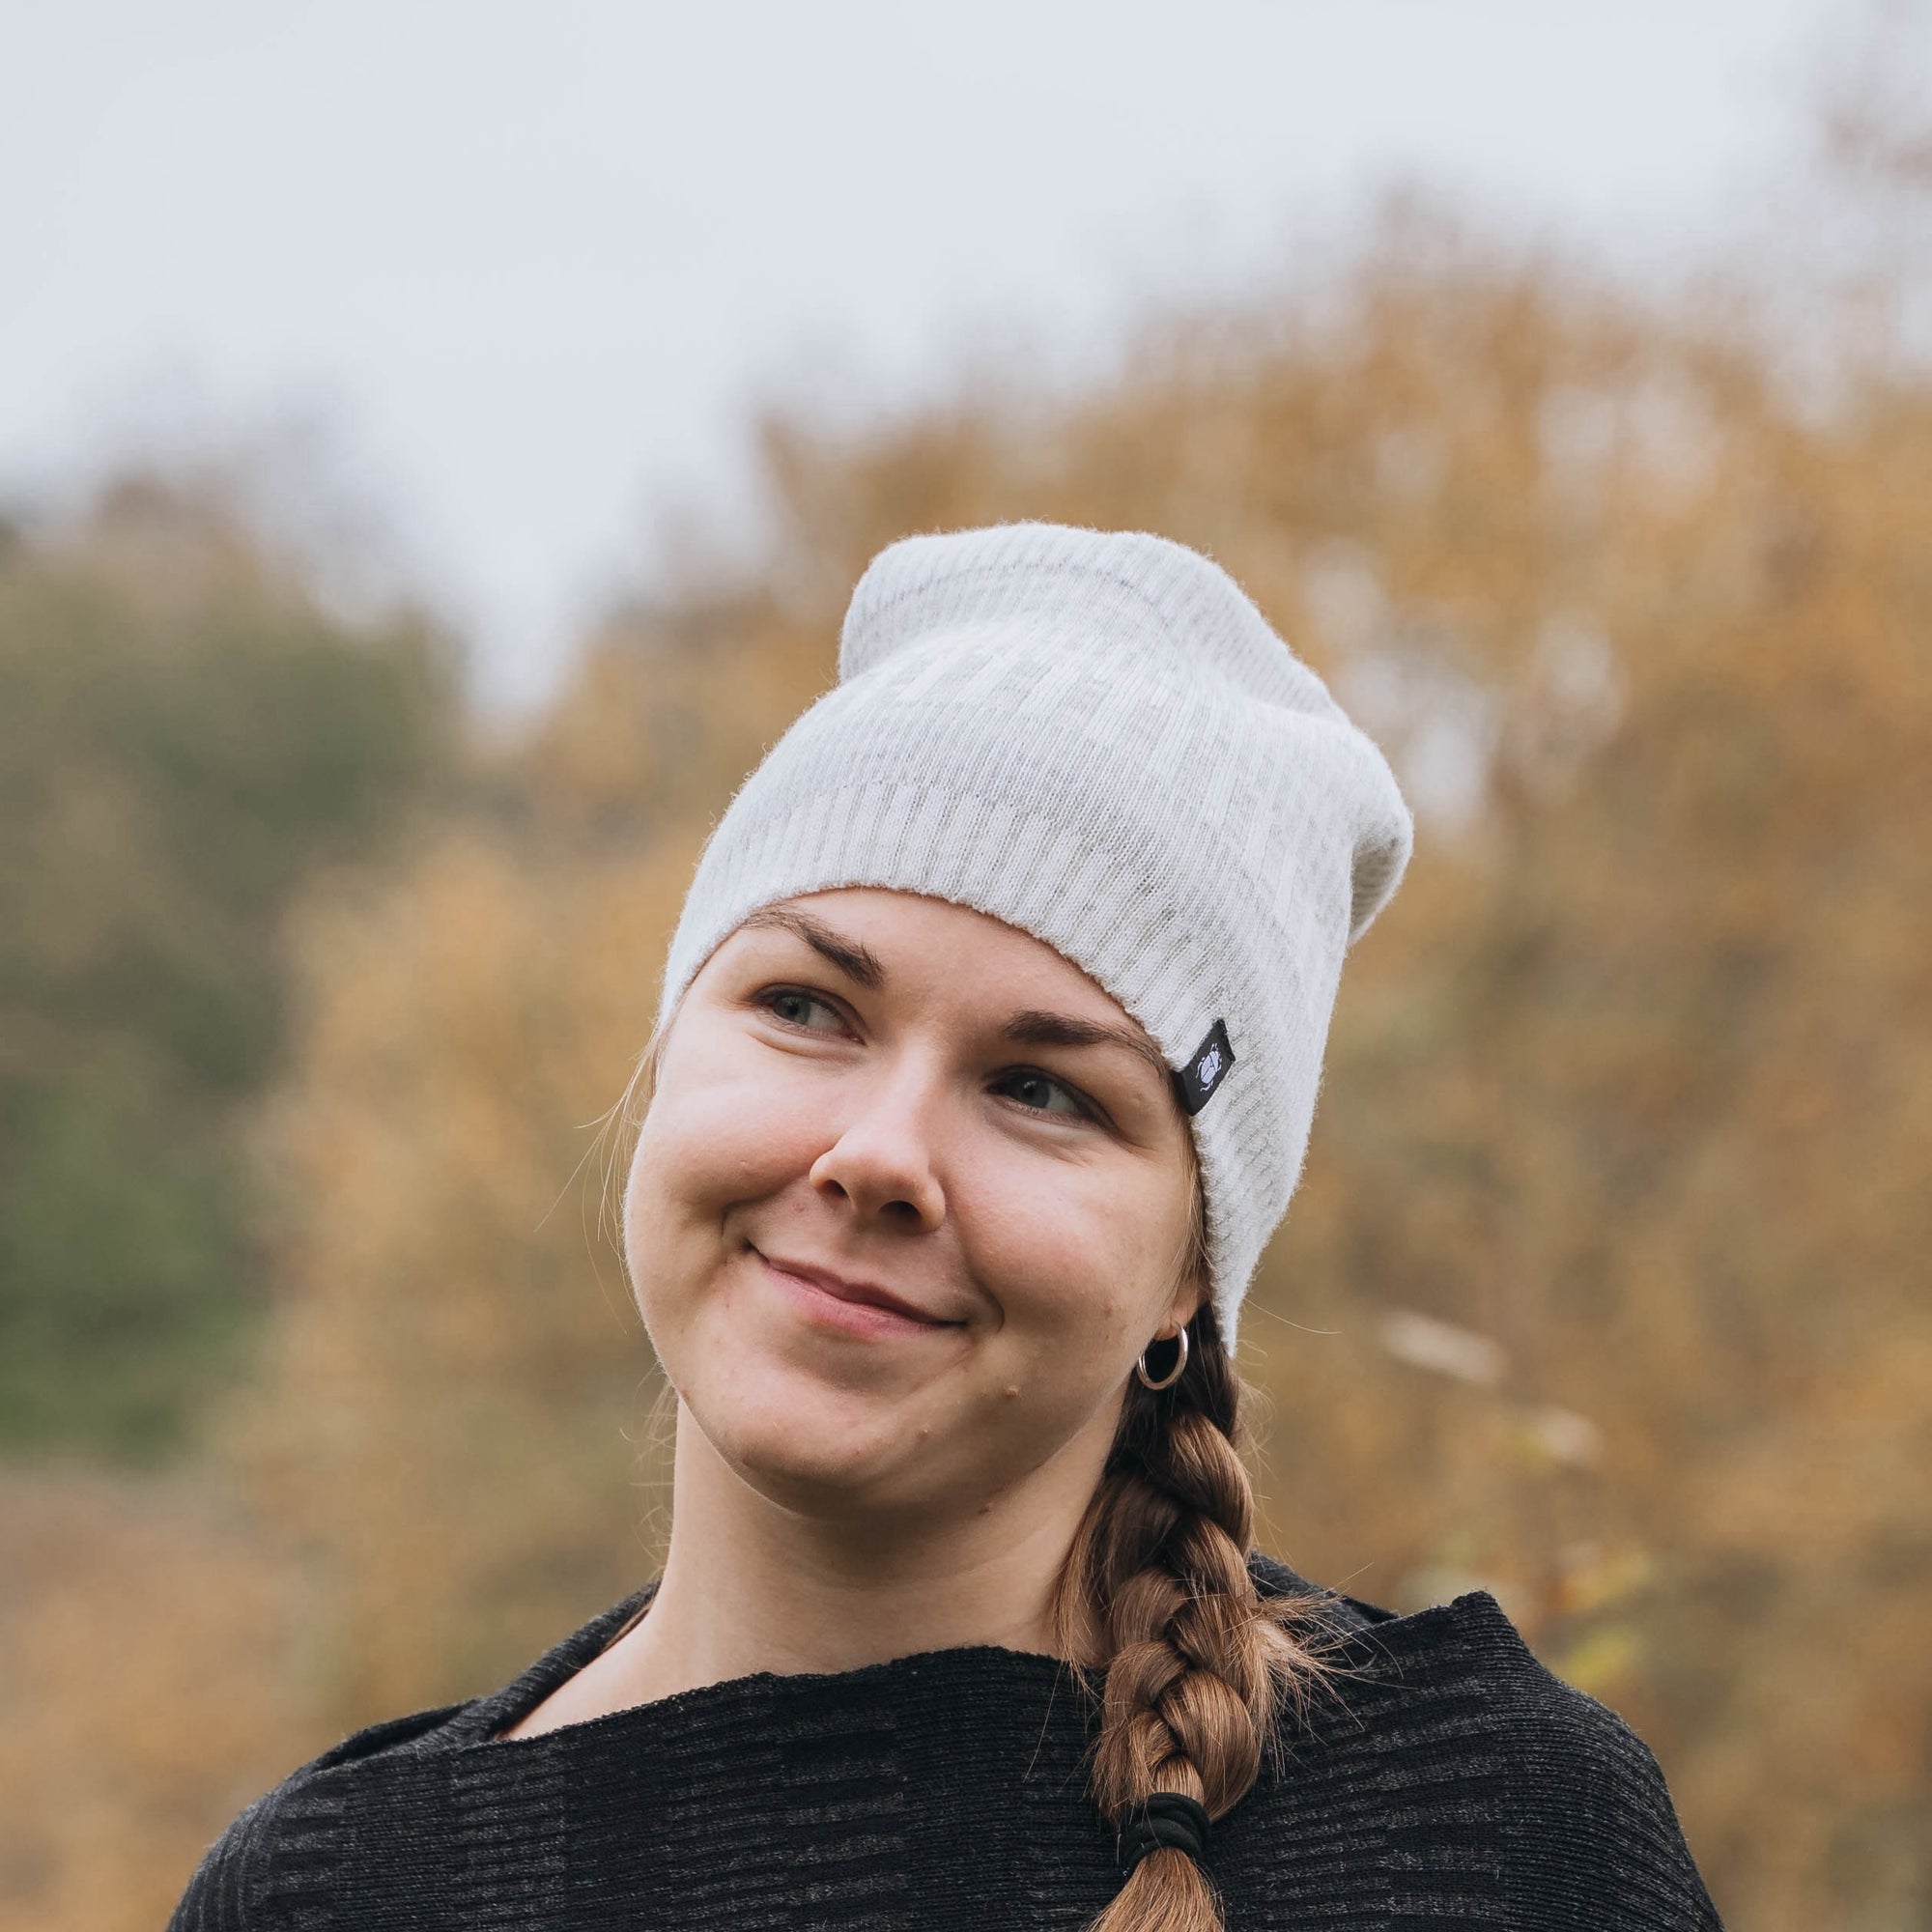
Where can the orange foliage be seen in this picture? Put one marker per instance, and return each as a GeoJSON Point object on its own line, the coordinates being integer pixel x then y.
{"type": "Point", "coordinates": [438, 1416]}
{"type": "Point", "coordinates": [154, 1677]}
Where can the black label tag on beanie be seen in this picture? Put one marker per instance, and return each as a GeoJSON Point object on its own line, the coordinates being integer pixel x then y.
{"type": "Point", "coordinates": [1196, 1082]}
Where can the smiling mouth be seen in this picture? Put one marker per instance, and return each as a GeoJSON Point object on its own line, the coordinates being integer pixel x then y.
{"type": "Point", "coordinates": [866, 1305]}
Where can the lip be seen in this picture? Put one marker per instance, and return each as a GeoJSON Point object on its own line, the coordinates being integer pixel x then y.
{"type": "Point", "coordinates": [860, 1306]}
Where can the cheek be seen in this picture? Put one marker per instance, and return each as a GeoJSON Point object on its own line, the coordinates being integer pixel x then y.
{"type": "Point", "coordinates": [1081, 1261]}
{"type": "Point", "coordinates": [697, 1156]}
{"type": "Point", "coordinates": [731, 1121]}
{"type": "Point", "coordinates": [1074, 1263]}
{"type": "Point", "coordinates": [707, 1148]}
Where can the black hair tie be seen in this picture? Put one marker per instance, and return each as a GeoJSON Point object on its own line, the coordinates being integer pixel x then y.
{"type": "Point", "coordinates": [1166, 1818]}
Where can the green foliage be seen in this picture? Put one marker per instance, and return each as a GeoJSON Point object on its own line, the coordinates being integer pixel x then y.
{"type": "Point", "coordinates": [185, 736]}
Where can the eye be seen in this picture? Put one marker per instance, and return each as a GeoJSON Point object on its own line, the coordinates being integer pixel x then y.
{"type": "Point", "coordinates": [794, 1006]}
{"type": "Point", "coordinates": [1041, 1093]}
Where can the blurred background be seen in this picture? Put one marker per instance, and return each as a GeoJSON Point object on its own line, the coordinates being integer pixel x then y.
{"type": "Point", "coordinates": [437, 443]}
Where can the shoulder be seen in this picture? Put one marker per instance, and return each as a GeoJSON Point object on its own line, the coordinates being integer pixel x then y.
{"type": "Point", "coordinates": [1589, 1821]}
{"type": "Point", "coordinates": [233, 1887]}
{"type": "Point", "coordinates": [258, 1862]}
{"type": "Point", "coordinates": [220, 1896]}
{"type": "Point", "coordinates": [1451, 1707]}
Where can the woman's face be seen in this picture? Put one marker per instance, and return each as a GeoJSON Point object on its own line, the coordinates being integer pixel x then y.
{"type": "Point", "coordinates": [912, 1195]}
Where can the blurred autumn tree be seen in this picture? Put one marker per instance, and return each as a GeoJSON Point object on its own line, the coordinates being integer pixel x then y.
{"type": "Point", "coordinates": [1605, 1284]}
{"type": "Point", "coordinates": [185, 736]}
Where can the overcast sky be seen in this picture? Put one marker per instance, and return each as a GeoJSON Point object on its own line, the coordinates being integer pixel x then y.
{"type": "Point", "coordinates": [526, 267]}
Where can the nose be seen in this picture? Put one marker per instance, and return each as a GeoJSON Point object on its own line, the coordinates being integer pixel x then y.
{"type": "Point", "coordinates": [882, 1161]}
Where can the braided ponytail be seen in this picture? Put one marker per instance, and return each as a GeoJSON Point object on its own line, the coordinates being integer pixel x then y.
{"type": "Point", "coordinates": [1197, 1663]}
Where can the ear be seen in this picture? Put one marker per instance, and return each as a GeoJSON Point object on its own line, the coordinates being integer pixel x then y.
{"type": "Point", "coordinates": [1188, 1300]}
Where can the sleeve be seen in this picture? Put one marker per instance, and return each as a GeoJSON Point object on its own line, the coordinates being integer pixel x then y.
{"type": "Point", "coordinates": [1592, 1835]}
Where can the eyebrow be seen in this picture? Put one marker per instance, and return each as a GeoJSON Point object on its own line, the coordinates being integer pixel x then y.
{"type": "Point", "coordinates": [859, 963]}
{"type": "Point", "coordinates": [1033, 1028]}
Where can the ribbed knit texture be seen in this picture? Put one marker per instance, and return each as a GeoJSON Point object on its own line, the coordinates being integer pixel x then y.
{"type": "Point", "coordinates": [1455, 1782]}
{"type": "Point", "coordinates": [1097, 739]}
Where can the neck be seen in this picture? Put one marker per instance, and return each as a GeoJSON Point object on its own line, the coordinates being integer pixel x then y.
{"type": "Point", "coordinates": [752, 1586]}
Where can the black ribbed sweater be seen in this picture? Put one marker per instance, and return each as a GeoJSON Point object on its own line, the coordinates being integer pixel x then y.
{"type": "Point", "coordinates": [1455, 1781]}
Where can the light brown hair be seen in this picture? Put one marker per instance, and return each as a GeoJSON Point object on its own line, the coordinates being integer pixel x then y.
{"type": "Point", "coordinates": [1195, 1664]}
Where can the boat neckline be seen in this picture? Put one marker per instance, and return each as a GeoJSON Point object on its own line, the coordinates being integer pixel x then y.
{"type": "Point", "coordinates": [1366, 1635]}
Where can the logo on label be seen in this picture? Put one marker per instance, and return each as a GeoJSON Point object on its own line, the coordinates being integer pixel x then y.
{"type": "Point", "coordinates": [1195, 1083]}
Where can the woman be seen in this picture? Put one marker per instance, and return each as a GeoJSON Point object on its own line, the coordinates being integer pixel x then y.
{"type": "Point", "coordinates": [988, 1049]}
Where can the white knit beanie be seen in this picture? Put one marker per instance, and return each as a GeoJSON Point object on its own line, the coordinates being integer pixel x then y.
{"type": "Point", "coordinates": [1097, 739]}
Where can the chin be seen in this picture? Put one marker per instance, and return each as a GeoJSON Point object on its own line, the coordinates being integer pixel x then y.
{"type": "Point", "coordinates": [810, 1446]}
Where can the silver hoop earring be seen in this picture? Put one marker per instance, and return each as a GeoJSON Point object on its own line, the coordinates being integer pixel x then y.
{"type": "Point", "coordinates": [1172, 1376]}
